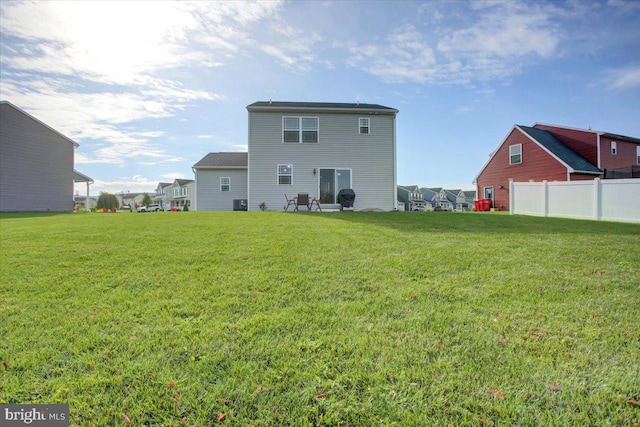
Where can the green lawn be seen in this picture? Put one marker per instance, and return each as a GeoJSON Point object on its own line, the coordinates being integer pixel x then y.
{"type": "Point", "coordinates": [341, 319]}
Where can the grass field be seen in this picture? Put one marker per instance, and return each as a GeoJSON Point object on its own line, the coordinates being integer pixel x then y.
{"type": "Point", "coordinates": [337, 319]}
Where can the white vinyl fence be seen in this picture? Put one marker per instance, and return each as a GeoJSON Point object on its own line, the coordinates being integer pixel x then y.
{"type": "Point", "coordinates": [606, 200]}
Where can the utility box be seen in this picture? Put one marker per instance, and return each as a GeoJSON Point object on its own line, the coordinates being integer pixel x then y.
{"type": "Point", "coordinates": [240, 204]}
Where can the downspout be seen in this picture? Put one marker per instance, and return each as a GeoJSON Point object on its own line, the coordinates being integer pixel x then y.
{"type": "Point", "coordinates": [395, 165]}
{"type": "Point", "coordinates": [195, 189]}
{"type": "Point", "coordinates": [87, 202]}
{"type": "Point", "coordinates": [248, 161]}
{"type": "Point", "coordinates": [598, 154]}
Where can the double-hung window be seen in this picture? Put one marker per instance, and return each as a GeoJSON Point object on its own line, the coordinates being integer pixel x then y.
{"type": "Point", "coordinates": [285, 174]}
{"type": "Point", "coordinates": [638, 154]}
{"type": "Point", "coordinates": [515, 154]}
{"type": "Point", "coordinates": [363, 125]}
{"type": "Point", "coordinates": [300, 129]}
{"type": "Point", "coordinates": [614, 148]}
{"type": "Point", "coordinates": [225, 183]}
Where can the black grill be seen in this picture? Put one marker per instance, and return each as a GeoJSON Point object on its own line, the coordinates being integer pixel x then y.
{"type": "Point", "coordinates": [346, 198]}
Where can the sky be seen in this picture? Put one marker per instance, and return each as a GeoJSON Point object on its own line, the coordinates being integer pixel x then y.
{"type": "Point", "coordinates": [148, 89]}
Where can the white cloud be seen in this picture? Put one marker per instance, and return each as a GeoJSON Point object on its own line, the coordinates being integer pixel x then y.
{"type": "Point", "coordinates": [404, 56]}
{"type": "Point", "coordinates": [174, 175]}
{"type": "Point", "coordinates": [125, 42]}
{"type": "Point", "coordinates": [495, 40]}
{"type": "Point", "coordinates": [624, 78]}
{"type": "Point", "coordinates": [134, 184]}
{"type": "Point", "coordinates": [87, 115]}
{"type": "Point", "coordinates": [296, 49]}
{"type": "Point", "coordinates": [504, 33]}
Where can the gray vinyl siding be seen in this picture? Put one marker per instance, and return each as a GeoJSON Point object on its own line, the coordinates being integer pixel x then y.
{"type": "Point", "coordinates": [208, 194]}
{"type": "Point", "coordinates": [36, 165]}
{"type": "Point", "coordinates": [371, 158]}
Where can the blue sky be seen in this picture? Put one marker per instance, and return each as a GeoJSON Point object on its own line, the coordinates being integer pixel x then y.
{"type": "Point", "coordinates": [148, 89]}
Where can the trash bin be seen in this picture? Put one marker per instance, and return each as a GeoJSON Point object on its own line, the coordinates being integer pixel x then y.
{"type": "Point", "coordinates": [486, 205]}
{"type": "Point", "coordinates": [476, 205]}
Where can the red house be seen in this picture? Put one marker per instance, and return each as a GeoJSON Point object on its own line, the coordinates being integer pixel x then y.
{"type": "Point", "coordinates": [553, 153]}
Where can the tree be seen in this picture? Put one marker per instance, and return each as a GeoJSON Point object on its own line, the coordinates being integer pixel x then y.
{"type": "Point", "coordinates": [146, 200]}
{"type": "Point", "coordinates": [107, 201]}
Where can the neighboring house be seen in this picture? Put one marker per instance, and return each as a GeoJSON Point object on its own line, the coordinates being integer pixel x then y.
{"type": "Point", "coordinates": [182, 191]}
{"type": "Point", "coordinates": [36, 164]}
{"type": "Point", "coordinates": [320, 149]}
{"type": "Point", "coordinates": [80, 203]}
{"type": "Point", "coordinates": [469, 197]}
{"type": "Point", "coordinates": [410, 197]}
{"type": "Point", "coordinates": [440, 198]}
{"type": "Point", "coordinates": [221, 182]}
{"type": "Point", "coordinates": [162, 196]}
{"type": "Point", "coordinates": [131, 200]}
{"type": "Point", "coordinates": [457, 198]}
{"type": "Point", "coordinates": [552, 153]}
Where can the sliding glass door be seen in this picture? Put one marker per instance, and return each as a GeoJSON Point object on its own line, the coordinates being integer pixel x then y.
{"type": "Point", "coordinates": [331, 182]}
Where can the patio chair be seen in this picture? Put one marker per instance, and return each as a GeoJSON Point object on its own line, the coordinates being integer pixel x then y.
{"type": "Point", "coordinates": [290, 202]}
{"type": "Point", "coordinates": [302, 200]}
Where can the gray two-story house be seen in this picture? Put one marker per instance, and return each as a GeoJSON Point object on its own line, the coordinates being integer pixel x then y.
{"type": "Point", "coordinates": [320, 149]}
{"type": "Point", "coordinates": [36, 164]}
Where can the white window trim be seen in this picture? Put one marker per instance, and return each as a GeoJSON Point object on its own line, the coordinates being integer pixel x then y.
{"type": "Point", "coordinates": [614, 148]}
{"type": "Point", "coordinates": [484, 192]}
{"type": "Point", "coordinates": [278, 174]}
{"type": "Point", "coordinates": [335, 168]}
{"type": "Point", "coordinates": [511, 155]}
{"type": "Point", "coordinates": [638, 154]}
{"type": "Point", "coordinates": [228, 184]}
{"type": "Point", "coordinates": [368, 126]}
{"type": "Point", "coordinates": [300, 129]}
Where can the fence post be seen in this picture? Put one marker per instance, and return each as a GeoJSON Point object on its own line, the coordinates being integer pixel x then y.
{"type": "Point", "coordinates": [545, 197]}
{"type": "Point", "coordinates": [512, 195]}
{"type": "Point", "coordinates": [597, 194]}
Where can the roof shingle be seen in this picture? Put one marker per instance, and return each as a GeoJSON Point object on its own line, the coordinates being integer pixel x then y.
{"type": "Point", "coordinates": [222, 160]}
{"type": "Point", "coordinates": [560, 150]}
{"type": "Point", "coordinates": [320, 106]}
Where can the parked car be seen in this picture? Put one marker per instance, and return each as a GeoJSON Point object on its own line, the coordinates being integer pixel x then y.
{"type": "Point", "coordinates": [418, 208]}
{"type": "Point", "coordinates": [150, 208]}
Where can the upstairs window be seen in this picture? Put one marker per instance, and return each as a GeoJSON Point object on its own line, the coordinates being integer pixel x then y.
{"type": "Point", "coordinates": [300, 129]}
{"type": "Point", "coordinates": [614, 148]}
{"type": "Point", "coordinates": [225, 184]}
{"type": "Point", "coordinates": [285, 174]}
{"type": "Point", "coordinates": [638, 154]}
{"type": "Point", "coordinates": [363, 124]}
{"type": "Point", "coordinates": [515, 154]}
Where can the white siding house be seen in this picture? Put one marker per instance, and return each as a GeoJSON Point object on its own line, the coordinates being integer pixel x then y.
{"type": "Point", "coordinates": [221, 182]}
{"type": "Point", "coordinates": [181, 192]}
{"type": "Point", "coordinates": [321, 148]}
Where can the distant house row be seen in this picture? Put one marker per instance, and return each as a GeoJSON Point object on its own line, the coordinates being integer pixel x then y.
{"type": "Point", "coordinates": [412, 198]}
{"type": "Point", "coordinates": [168, 195]}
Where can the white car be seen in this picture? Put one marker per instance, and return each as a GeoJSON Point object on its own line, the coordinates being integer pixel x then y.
{"type": "Point", "coordinates": [419, 208]}
{"type": "Point", "coordinates": [150, 208]}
